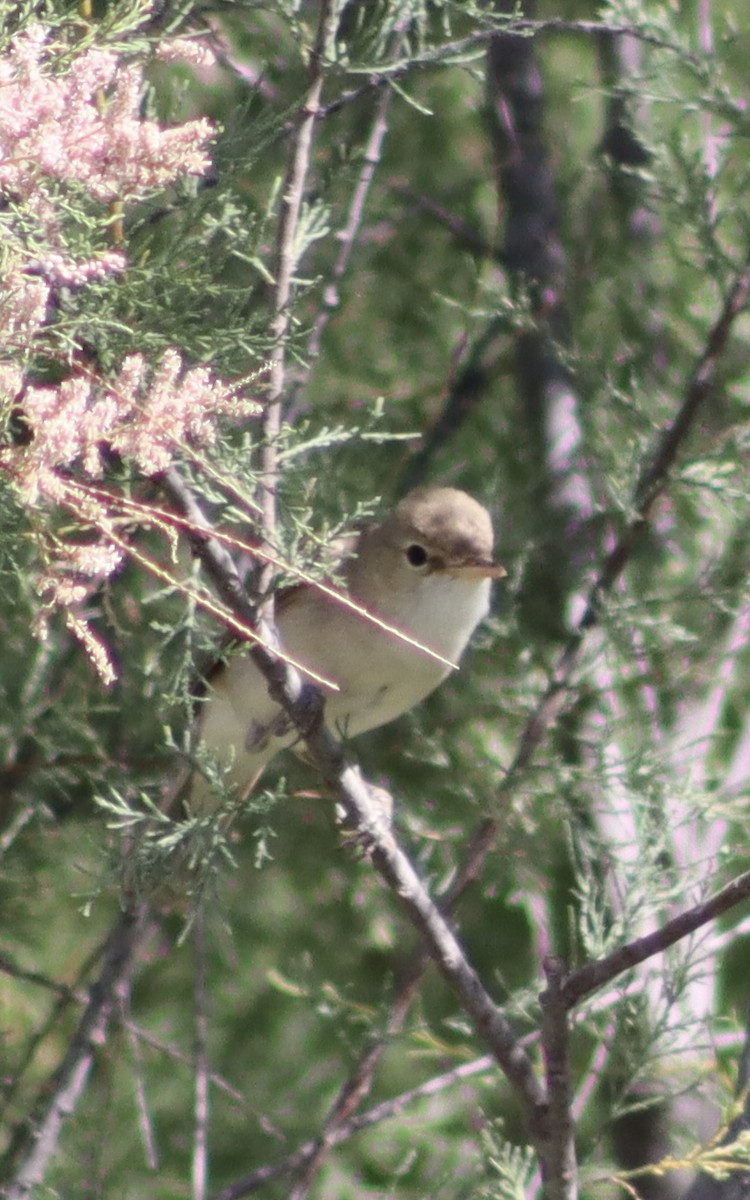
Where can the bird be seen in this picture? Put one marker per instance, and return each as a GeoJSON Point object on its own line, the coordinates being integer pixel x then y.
{"type": "Point", "coordinates": [425, 570]}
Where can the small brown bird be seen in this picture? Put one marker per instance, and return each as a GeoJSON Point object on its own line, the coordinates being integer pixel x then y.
{"type": "Point", "coordinates": [425, 569]}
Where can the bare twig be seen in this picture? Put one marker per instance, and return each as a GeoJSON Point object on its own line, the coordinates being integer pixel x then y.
{"type": "Point", "coordinates": [287, 257]}
{"type": "Point", "coordinates": [560, 1174]}
{"type": "Point", "coordinates": [520, 27]}
{"type": "Point", "coordinates": [594, 975]}
{"type": "Point", "coordinates": [374, 1116]}
{"type": "Point", "coordinates": [349, 1127]}
{"type": "Point", "coordinates": [463, 233]}
{"type": "Point", "coordinates": [358, 1085]}
{"type": "Point", "coordinates": [144, 1116]}
{"type": "Point", "coordinates": [490, 1024]}
{"type": "Point", "coordinates": [591, 1076]}
{"type": "Point", "coordinates": [64, 994]}
{"type": "Point", "coordinates": [79, 995]}
{"type": "Point", "coordinates": [202, 1074]}
{"type": "Point", "coordinates": [14, 827]}
{"type": "Point", "coordinates": [69, 1080]}
{"type": "Point", "coordinates": [464, 393]}
{"type": "Point", "coordinates": [348, 235]}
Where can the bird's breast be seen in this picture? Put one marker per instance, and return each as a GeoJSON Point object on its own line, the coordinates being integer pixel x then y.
{"type": "Point", "coordinates": [379, 675]}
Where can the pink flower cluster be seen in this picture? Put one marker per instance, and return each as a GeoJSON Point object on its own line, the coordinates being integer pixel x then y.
{"type": "Point", "coordinates": [82, 126]}
{"type": "Point", "coordinates": [67, 584]}
{"type": "Point", "coordinates": [73, 120]}
{"type": "Point", "coordinates": [23, 307]}
{"type": "Point", "coordinates": [71, 124]}
{"type": "Point", "coordinates": [144, 415]}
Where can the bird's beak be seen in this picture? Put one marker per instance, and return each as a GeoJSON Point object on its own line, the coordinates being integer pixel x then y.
{"type": "Point", "coordinates": [476, 570]}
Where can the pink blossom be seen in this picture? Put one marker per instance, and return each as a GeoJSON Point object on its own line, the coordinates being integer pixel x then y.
{"type": "Point", "coordinates": [144, 415]}
{"type": "Point", "coordinates": [23, 307]}
{"type": "Point", "coordinates": [59, 269]}
{"type": "Point", "coordinates": [186, 50]}
{"type": "Point", "coordinates": [56, 127]}
{"type": "Point", "coordinates": [67, 584]}
{"type": "Point", "coordinates": [75, 123]}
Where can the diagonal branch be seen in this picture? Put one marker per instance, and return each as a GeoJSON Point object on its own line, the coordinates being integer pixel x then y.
{"type": "Point", "coordinates": [595, 975]}
{"type": "Point", "coordinates": [348, 235]}
{"type": "Point", "coordinates": [384, 1111]}
{"type": "Point", "coordinates": [70, 1079]}
{"type": "Point", "coordinates": [287, 257]}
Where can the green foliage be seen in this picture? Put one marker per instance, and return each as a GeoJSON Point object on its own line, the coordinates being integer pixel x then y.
{"type": "Point", "coordinates": [632, 809]}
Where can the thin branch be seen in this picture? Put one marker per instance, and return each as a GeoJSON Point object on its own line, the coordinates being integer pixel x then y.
{"type": "Point", "coordinates": [560, 1170]}
{"type": "Point", "coordinates": [348, 235]}
{"type": "Point", "coordinates": [17, 824]}
{"type": "Point", "coordinates": [287, 257]}
{"type": "Point", "coordinates": [490, 1025]}
{"type": "Point", "coordinates": [595, 975]}
{"type": "Point", "coordinates": [591, 1077]}
{"type": "Point", "coordinates": [374, 1116]}
{"type": "Point", "coordinates": [202, 1074]}
{"type": "Point", "coordinates": [354, 1089]}
{"type": "Point", "coordinates": [144, 1117]}
{"type": "Point", "coordinates": [465, 390]}
{"type": "Point", "coordinates": [349, 1127]}
{"type": "Point", "coordinates": [81, 997]}
{"type": "Point", "coordinates": [463, 232]}
{"type": "Point", "coordinates": [65, 994]}
{"type": "Point", "coordinates": [462, 49]}
{"type": "Point", "coordinates": [70, 1078]}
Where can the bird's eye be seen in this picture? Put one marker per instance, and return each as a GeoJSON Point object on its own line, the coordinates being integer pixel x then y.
{"type": "Point", "coordinates": [416, 555]}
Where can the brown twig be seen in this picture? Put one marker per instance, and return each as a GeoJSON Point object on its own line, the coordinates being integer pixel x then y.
{"type": "Point", "coordinates": [594, 975]}
{"type": "Point", "coordinates": [202, 1074]}
{"type": "Point", "coordinates": [348, 234]}
{"type": "Point", "coordinates": [287, 257]}
{"type": "Point", "coordinates": [560, 1166]}
{"type": "Point", "coordinates": [69, 1080]}
{"type": "Point", "coordinates": [345, 1130]}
